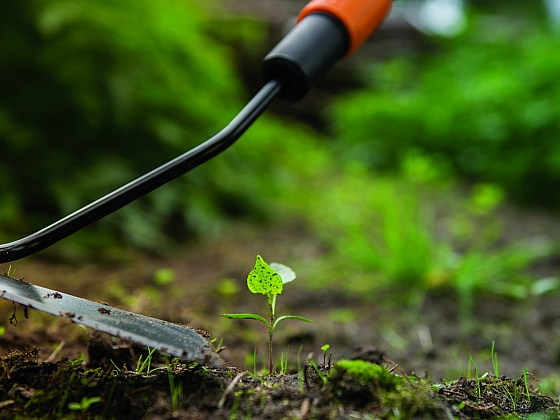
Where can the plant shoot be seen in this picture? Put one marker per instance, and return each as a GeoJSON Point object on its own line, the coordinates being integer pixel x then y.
{"type": "Point", "coordinates": [268, 280]}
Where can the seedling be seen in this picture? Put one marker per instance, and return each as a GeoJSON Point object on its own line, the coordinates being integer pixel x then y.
{"type": "Point", "coordinates": [317, 371]}
{"type": "Point", "coordinates": [495, 361]}
{"type": "Point", "coordinates": [268, 280]}
{"type": "Point", "coordinates": [299, 369]}
{"type": "Point", "coordinates": [84, 404]}
{"type": "Point", "coordinates": [255, 362]}
{"type": "Point", "coordinates": [512, 397]}
{"type": "Point", "coordinates": [176, 390]}
{"type": "Point", "coordinates": [476, 377]}
{"type": "Point", "coordinates": [219, 346]}
{"type": "Point", "coordinates": [65, 396]}
{"type": "Point", "coordinates": [284, 363]}
{"type": "Point", "coordinates": [325, 348]}
{"type": "Point", "coordinates": [145, 365]}
{"type": "Point", "coordinates": [526, 384]}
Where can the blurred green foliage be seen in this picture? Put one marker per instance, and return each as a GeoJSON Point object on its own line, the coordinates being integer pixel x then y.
{"type": "Point", "coordinates": [396, 217]}
{"type": "Point", "coordinates": [95, 94]}
{"type": "Point", "coordinates": [408, 234]}
{"type": "Point", "coordinates": [485, 107]}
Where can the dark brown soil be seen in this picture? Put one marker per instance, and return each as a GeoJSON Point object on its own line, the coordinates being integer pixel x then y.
{"type": "Point", "coordinates": [427, 347]}
{"type": "Point", "coordinates": [33, 389]}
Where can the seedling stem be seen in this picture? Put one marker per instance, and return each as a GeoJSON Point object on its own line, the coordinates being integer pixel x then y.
{"type": "Point", "coordinates": [269, 281]}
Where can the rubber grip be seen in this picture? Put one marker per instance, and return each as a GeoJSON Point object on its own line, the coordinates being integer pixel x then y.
{"type": "Point", "coordinates": [360, 17]}
{"type": "Point", "coordinates": [305, 54]}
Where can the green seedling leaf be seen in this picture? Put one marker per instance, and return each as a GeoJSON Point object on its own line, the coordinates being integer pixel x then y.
{"type": "Point", "coordinates": [284, 271]}
{"type": "Point", "coordinates": [245, 316]}
{"type": "Point", "coordinates": [281, 318]}
{"type": "Point", "coordinates": [268, 280]}
{"type": "Point", "coordinates": [263, 279]}
{"type": "Point", "coordinates": [84, 404]}
{"type": "Point", "coordinates": [164, 276]}
{"type": "Point", "coordinates": [542, 286]}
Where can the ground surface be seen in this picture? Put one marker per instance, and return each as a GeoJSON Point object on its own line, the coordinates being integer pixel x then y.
{"type": "Point", "coordinates": [428, 340]}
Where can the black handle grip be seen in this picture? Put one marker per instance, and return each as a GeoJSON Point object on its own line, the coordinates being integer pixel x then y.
{"type": "Point", "coordinates": [305, 54]}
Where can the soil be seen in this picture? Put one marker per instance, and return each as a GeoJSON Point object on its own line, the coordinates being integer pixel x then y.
{"type": "Point", "coordinates": [53, 368]}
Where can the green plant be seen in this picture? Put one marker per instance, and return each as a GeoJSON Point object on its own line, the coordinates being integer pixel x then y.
{"type": "Point", "coordinates": [117, 369]}
{"type": "Point", "coordinates": [300, 370]}
{"type": "Point", "coordinates": [494, 356]}
{"type": "Point", "coordinates": [65, 396]}
{"type": "Point", "coordinates": [324, 348]}
{"type": "Point", "coordinates": [526, 383]}
{"type": "Point", "coordinates": [476, 377]}
{"type": "Point", "coordinates": [176, 390]}
{"type": "Point", "coordinates": [284, 363]}
{"type": "Point", "coordinates": [255, 362]}
{"type": "Point", "coordinates": [104, 64]}
{"type": "Point", "coordinates": [91, 377]}
{"type": "Point", "coordinates": [79, 361]}
{"type": "Point", "coordinates": [145, 365]}
{"type": "Point", "coordinates": [461, 367]}
{"type": "Point", "coordinates": [164, 276]}
{"type": "Point", "coordinates": [218, 346]}
{"type": "Point", "coordinates": [512, 396]}
{"type": "Point", "coordinates": [318, 371]}
{"type": "Point", "coordinates": [270, 282]}
{"type": "Point", "coordinates": [398, 397]}
{"type": "Point", "coordinates": [549, 385]}
{"type": "Point", "coordinates": [387, 237]}
{"type": "Point", "coordinates": [491, 123]}
{"type": "Point", "coordinates": [367, 373]}
{"type": "Point", "coordinates": [84, 404]}
{"type": "Point", "coordinates": [109, 397]}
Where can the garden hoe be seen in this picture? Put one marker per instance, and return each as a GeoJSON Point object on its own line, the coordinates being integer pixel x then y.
{"type": "Point", "coordinates": [326, 31]}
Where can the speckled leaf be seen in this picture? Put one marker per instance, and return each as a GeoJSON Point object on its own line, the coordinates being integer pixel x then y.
{"type": "Point", "coordinates": [285, 272]}
{"type": "Point", "coordinates": [263, 279]}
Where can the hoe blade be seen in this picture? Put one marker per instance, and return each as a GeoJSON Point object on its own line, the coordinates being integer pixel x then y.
{"type": "Point", "coordinates": [172, 339]}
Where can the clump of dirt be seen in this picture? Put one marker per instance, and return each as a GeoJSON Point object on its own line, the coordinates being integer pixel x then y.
{"type": "Point", "coordinates": [43, 373]}
{"type": "Point", "coordinates": [493, 396]}
{"type": "Point", "coordinates": [170, 389]}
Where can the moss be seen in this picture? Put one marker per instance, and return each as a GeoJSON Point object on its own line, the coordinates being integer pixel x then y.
{"type": "Point", "coordinates": [363, 384]}
{"type": "Point", "coordinates": [368, 373]}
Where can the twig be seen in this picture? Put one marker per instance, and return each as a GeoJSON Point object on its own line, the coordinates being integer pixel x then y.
{"type": "Point", "coordinates": [304, 409]}
{"type": "Point", "coordinates": [55, 352]}
{"type": "Point", "coordinates": [230, 388]}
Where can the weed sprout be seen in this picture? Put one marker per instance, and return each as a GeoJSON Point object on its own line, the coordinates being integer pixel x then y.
{"type": "Point", "coordinates": [268, 280]}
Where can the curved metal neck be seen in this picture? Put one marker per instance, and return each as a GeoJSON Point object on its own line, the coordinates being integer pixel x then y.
{"type": "Point", "coordinates": [143, 185]}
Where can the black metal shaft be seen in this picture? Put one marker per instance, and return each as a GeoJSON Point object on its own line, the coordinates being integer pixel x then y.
{"type": "Point", "coordinates": [143, 185]}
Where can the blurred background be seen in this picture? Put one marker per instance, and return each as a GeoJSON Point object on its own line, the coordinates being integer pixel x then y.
{"type": "Point", "coordinates": [428, 162]}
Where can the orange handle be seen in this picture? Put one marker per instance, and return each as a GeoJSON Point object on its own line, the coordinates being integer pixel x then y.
{"type": "Point", "coordinates": [360, 17]}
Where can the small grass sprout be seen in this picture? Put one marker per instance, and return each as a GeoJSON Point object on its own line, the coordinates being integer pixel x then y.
{"type": "Point", "coordinates": [284, 362]}
{"type": "Point", "coordinates": [176, 390]}
{"type": "Point", "coordinates": [10, 273]}
{"type": "Point", "coordinates": [324, 348]}
{"type": "Point", "coordinates": [494, 355]}
{"type": "Point", "coordinates": [317, 371]}
{"type": "Point", "coordinates": [84, 404]}
{"type": "Point", "coordinates": [526, 384]}
{"type": "Point", "coordinates": [268, 280]}
{"type": "Point", "coordinates": [144, 365]}
{"type": "Point", "coordinates": [512, 397]}
{"type": "Point", "coordinates": [476, 377]}
{"type": "Point", "coordinates": [219, 346]}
